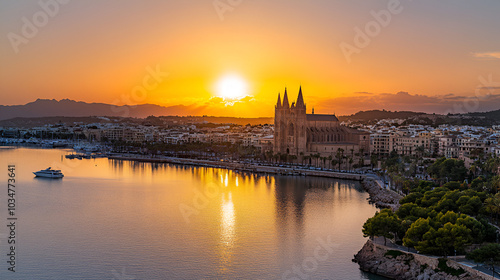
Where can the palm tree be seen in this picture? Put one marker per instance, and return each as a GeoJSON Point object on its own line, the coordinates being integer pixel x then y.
{"type": "Point", "coordinates": [340, 156]}
{"type": "Point", "coordinates": [473, 169]}
{"type": "Point", "coordinates": [334, 162]}
{"type": "Point", "coordinates": [269, 155]}
{"type": "Point", "coordinates": [420, 150]}
{"type": "Point", "coordinates": [276, 157]}
{"type": "Point", "coordinates": [308, 159]}
{"type": "Point", "coordinates": [360, 159]}
{"type": "Point", "coordinates": [316, 156]}
{"type": "Point", "coordinates": [374, 160]}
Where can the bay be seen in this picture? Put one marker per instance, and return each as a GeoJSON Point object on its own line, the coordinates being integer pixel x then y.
{"type": "Point", "coordinates": [109, 219]}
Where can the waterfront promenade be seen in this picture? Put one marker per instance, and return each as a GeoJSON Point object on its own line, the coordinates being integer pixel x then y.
{"type": "Point", "coordinates": [248, 167]}
{"type": "Point", "coordinates": [380, 195]}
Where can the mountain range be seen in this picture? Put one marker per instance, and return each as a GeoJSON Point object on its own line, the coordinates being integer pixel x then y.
{"type": "Point", "coordinates": [70, 108]}
{"type": "Point", "coordinates": [44, 111]}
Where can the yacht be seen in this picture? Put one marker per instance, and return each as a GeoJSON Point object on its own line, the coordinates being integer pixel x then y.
{"type": "Point", "coordinates": [49, 173]}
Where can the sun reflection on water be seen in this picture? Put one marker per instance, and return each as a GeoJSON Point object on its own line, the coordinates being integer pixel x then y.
{"type": "Point", "coordinates": [228, 219]}
{"type": "Point", "coordinates": [227, 231]}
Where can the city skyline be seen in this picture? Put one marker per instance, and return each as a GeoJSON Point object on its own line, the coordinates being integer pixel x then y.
{"type": "Point", "coordinates": [231, 58]}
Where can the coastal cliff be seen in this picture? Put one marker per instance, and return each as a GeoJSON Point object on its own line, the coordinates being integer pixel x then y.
{"type": "Point", "coordinates": [396, 264]}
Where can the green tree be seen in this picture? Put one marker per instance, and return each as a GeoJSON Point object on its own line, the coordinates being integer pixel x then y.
{"type": "Point", "coordinates": [445, 170]}
{"type": "Point", "coordinates": [471, 206]}
{"type": "Point", "coordinates": [452, 237]}
{"type": "Point", "coordinates": [489, 254]}
{"type": "Point", "coordinates": [385, 223]}
{"type": "Point", "coordinates": [478, 230]}
{"type": "Point", "coordinates": [415, 234]}
{"type": "Point", "coordinates": [412, 211]}
{"type": "Point", "coordinates": [445, 240]}
{"type": "Point", "coordinates": [492, 206]}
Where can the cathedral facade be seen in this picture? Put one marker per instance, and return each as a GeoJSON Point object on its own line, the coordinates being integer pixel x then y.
{"type": "Point", "coordinates": [301, 134]}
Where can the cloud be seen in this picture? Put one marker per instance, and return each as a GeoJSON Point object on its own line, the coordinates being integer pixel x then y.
{"type": "Point", "coordinates": [247, 106]}
{"type": "Point", "coordinates": [490, 88]}
{"type": "Point", "coordinates": [404, 101]}
{"type": "Point", "coordinates": [494, 55]}
{"type": "Point", "coordinates": [485, 98]}
{"type": "Point", "coordinates": [363, 93]}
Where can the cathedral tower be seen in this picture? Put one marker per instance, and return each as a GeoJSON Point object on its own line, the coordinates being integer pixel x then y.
{"type": "Point", "coordinates": [290, 125]}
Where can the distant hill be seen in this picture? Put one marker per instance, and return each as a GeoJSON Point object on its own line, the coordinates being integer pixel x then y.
{"type": "Point", "coordinates": [70, 108]}
{"type": "Point", "coordinates": [495, 115]}
{"type": "Point", "coordinates": [31, 113]}
{"type": "Point", "coordinates": [476, 119]}
{"type": "Point", "coordinates": [379, 115]}
{"type": "Point", "coordinates": [33, 122]}
{"type": "Point", "coordinates": [43, 108]}
{"type": "Point", "coordinates": [151, 120]}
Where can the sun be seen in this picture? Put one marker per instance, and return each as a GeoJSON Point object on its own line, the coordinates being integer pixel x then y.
{"type": "Point", "coordinates": [232, 86]}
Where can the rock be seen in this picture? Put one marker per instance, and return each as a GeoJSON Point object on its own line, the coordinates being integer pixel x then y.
{"type": "Point", "coordinates": [423, 276]}
{"type": "Point", "coordinates": [401, 265]}
{"type": "Point", "coordinates": [382, 198]}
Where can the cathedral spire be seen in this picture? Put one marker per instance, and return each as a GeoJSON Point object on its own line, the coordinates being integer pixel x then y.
{"type": "Point", "coordinates": [300, 99]}
{"type": "Point", "coordinates": [278, 104]}
{"type": "Point", "coordinates": [285, 100]}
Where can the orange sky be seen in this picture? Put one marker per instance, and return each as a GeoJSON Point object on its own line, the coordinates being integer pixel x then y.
{"type": "Point", "coordinates": [102, 51]}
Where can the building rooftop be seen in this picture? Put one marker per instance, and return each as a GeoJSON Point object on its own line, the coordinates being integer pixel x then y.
{"type": "Point", "coordinates": [321, 118]}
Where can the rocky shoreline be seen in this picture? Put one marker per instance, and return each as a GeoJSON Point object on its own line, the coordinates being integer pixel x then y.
{"type": "Point", "coordinates": [399, 265]}
{"type": "Point", "coordinates": [381, 197]}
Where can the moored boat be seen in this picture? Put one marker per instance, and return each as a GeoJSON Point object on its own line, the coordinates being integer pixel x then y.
{"type": "Point", "coordinates": [49, 173]}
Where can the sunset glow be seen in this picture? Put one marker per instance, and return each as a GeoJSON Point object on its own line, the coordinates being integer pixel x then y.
{"type": "Point", "coordinates": [232, 87]}
{"type": "Point", "coordinates": [345, 54]}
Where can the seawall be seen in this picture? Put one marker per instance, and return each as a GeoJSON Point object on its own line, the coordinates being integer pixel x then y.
{"type": "Point", "coordinates": [244, 167]}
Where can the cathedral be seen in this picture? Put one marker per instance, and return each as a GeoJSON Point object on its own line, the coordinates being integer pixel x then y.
{"type": "Point", "coordinates": [301, 134]}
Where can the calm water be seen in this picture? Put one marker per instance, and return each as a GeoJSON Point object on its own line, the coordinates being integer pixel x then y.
{"type": "Point", "coordinates": [123, 220]}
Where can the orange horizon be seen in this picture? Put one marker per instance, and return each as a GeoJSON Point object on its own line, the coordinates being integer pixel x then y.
{"type": "Point", "coordinates": [348, 56]}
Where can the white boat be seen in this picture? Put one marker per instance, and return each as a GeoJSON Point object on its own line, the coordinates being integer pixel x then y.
{"type": "Point", "coordinates": [49, 173]}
